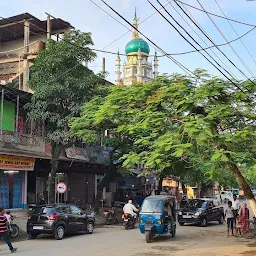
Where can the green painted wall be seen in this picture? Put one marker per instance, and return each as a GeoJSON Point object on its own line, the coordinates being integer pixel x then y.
{"type": "Point", "coordinates": [9, 116]}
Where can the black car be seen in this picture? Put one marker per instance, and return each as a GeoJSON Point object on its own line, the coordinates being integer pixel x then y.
{"type": "Point", "coordinates": [201, 211]}
{"type": "Point", "coordinates": [59, 219]}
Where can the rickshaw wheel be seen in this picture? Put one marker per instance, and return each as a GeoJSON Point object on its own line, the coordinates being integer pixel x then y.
{"type": "Point", "coordinates": [148, 236]}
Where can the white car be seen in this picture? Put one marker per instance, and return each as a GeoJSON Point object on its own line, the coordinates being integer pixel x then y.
{"type": "Point", "coordinates": [225, 196]}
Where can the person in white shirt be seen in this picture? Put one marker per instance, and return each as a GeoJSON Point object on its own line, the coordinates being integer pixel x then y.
{"type": "Point", "coordinates": [235, 203]}
{"type": "Point", "coordinates": [130, 209]}
{"type": "Point", "coordinates": [236, 207]}
{"type": "Point", "coordinates": [229, 217]}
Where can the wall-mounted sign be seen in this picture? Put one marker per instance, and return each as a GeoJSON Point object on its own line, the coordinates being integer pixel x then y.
{"type": "Point", "coordinates": [77, 153]}
{"type": "Point", "coordinates": [16, 163]}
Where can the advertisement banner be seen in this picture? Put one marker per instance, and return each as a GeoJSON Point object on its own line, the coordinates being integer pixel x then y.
{"type": "Point", "coordinates": [16, 163]}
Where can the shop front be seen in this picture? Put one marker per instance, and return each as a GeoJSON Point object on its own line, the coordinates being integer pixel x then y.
{"type": "Point", "coordinates": [13, 180]}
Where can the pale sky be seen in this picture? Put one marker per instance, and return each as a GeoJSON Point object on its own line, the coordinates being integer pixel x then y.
{"type": "Point", "coordinates": [84, 15]}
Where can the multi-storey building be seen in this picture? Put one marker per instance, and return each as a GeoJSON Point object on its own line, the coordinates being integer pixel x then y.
{"type": "Point", "coordinates": [25, 153]}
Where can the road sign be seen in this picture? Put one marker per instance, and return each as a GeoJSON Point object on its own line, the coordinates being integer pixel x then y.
{"type": "Point", "coordinates": [61, 187]}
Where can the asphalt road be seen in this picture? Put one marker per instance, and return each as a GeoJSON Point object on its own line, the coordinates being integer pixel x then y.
{"type": "Point", "coordinates": [115, 241]}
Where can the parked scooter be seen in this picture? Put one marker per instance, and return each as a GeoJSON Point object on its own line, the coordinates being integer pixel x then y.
{"type": "Point", "coordinates": [13, 228]}
{"type": "Point", "coordinates": [110, 216]}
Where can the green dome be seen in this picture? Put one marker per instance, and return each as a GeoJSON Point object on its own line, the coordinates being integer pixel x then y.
{"type": "Point", "coordinates": [135, 45]}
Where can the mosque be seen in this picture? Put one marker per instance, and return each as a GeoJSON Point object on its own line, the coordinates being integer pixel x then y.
{"type": "Point", "coordinates": [137, 67]}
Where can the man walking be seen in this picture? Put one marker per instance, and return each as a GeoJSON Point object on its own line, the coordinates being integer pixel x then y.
{"type": "Point", "coordinates": [236, 207]}
{"type": "Point", "coordinates": [4, 230]}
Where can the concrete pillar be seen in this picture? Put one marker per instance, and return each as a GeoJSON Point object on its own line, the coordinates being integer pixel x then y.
{"type": "Point", "coordinates": [25, 59]}
{"type": "Point", "coordinates": [48, 26]}
{"type": "Point", "coordinates": [103, 65]}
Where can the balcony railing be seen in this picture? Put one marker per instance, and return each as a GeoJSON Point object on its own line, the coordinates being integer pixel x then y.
{"type": "Point", "coordinates": [24, 142]}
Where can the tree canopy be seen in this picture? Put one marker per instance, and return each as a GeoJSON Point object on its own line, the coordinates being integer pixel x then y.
{"type": "Point", "coordinates": [61, 83]}
{"type": "Point", "coordinates": [204, 124]}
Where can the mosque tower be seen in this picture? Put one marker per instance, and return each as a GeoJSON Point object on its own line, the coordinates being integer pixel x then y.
{"type": "Point", "coordinates": [136, 68]}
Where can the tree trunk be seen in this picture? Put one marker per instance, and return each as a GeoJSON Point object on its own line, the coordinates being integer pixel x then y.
{"type": "Point", "coordinates": [245, 186]}
{"type": "Point", "coordinates": [56, 149]}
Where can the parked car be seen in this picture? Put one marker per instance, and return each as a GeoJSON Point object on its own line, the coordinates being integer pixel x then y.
{"type": "Point", "coordinates": [225, 196]}
{"type": "Point", "coordinates": [59, 219]}
{"type": "Point", "coordinates": [201, 211]}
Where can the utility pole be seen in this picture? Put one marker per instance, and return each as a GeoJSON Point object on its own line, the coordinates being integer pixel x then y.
{"type": "Point", "coordinates": [2, 111]}
{"type": "Point", "coordinates": [48, 26]}
{"type": "Point", "coordinates": [103, 66]}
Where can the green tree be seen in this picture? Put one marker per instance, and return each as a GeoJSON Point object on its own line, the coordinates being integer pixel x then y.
{"type": "Point", "coordinates": [61, 83]}
{"type": "Point", "coordinates": [205, 123]}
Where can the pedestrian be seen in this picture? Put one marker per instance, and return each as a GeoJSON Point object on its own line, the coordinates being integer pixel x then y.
{"type": "Point", "coordinates": [238, 225]}
{"type": "Point", "coordinates": [236, 207]}
{"type": "Point", "coordinates": [229, 216]}
{"type": "Point", "coordinates": [244, 215]}
{"type": "Point", "coordinates": [4, 230]}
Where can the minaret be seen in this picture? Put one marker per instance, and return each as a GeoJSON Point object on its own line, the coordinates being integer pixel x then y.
{"type": "Point", "coordinates": [136, 25]}
{"type": "Point", "coordinates": [155, 66]}
{"type": "Point", "coordinates": [118, 68]}
{"type": "Point", "coordinates": [139, 67]}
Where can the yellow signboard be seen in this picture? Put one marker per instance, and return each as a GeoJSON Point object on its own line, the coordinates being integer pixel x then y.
{"type": "Point", "coordinates": [16, 163]}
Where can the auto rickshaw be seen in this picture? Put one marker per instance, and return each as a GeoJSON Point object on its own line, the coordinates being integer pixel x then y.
{"type": "Point", "coordinates": [158, 216]}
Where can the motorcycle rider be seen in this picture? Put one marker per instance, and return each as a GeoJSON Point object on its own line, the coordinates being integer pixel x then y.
{"type": "Point", "coordinates": [130, 209]}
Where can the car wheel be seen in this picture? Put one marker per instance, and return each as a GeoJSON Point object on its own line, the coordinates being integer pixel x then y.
{"type": "Point", "coordinates": [181, 223]}
{"type": "Point", "coordinates": [32, 236]}
{"type": "Point", "coordinates": [203, 223]}
{"type": "Point", "coordinates": [221, 220]}
{"type": "Point", "coordinates": [89, 228]}
{"type": "Point", "coordinates": [59, 232]}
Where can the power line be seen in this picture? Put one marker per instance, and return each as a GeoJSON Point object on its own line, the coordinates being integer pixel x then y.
{"type": "Point", "coordinates": [129, 29]}
{"type": "Point", "coordinates": [232, 48]}
{"type": "Point", "coordinates": [154, 45]}
{"type": "Point", "coordinates": [165, 53]}
{"type": "Point", "coordinates": [189, 72]}
{"type": "Point", "coordinates": [211, 40]}
{"type": "Point", "coordinates": [182, 53]}
{"type": "Point", "coordinates": [190, 42]}
{"type": "Point", "coordinates": [216, 15]}
{"type": "Point", "coordinates": [236, 33]}
{"type": "Point", "coordinates": [201, 39]}
{"type": "Point", "coordinates": [159, 56]}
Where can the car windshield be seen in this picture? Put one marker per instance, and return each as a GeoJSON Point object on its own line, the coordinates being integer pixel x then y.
{"type": "Point", "coordinates": [152, 206]}
{"type": "Point", "coordinates": [43, 210]}
{"type": "Point", "coordinates": [196, 203]}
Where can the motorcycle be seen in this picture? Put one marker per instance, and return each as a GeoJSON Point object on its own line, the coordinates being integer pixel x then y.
{"type": "Point", "coordinates": [110, 216]}
{"type": "Point", "coordinates": [128, 221]}
{"type": "Point", "coordinates": [12, 228]}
